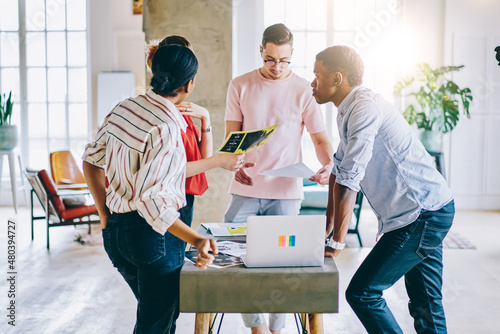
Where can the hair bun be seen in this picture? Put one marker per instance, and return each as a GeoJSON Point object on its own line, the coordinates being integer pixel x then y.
{"type": "Point", "coordinates": [163, 81]}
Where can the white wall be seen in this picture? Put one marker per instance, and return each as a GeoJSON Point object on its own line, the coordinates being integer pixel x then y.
{"type": "Point", "coordinates": [248, 26]}
{"type": "Point", "coordinates": [116, 44]}
{"type": "Point", "coordinates": [424, 21]}
{"type": "Point", "coordinates": [472, 32]}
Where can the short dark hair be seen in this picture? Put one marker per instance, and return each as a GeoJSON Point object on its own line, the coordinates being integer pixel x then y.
{"type": "Point", "coordinates": [169, 40]}
{"type": "Point", "coordinates": [278, 34]}
{"type": "Point", "coordinates": [175, 40]}
{"type": "Point", "coordinates": [343, 59]}
{"type": "Point", "coordinates": [173, 66]}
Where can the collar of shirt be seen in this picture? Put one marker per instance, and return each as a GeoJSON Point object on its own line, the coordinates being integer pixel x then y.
{"type": "Point", "coordinates": [346, 103]}
{"type": "Point", "coordinates": [170, 108]}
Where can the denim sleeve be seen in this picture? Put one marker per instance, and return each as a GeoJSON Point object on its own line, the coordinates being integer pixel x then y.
{"type": "Point", "coordinates": [350, 161]}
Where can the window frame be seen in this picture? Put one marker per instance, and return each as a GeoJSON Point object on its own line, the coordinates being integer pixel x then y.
{"type": "Point", "coordinates": [249, 23]}
{"type": "Point", "coordinates": [23, 126]}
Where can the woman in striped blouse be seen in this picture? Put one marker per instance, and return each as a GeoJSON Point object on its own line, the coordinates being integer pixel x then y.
{"type": "Point", "coordinates": [140, 151]}
{"type": "Point", "coordinates": [199, 146]}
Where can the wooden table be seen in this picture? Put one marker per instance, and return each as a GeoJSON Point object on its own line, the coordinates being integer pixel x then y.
{"type": "Point", "coordinates": [310, 291]}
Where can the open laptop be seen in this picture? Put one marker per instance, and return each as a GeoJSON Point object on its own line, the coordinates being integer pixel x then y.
{"type": "Point", "coordinates": [285, 241]}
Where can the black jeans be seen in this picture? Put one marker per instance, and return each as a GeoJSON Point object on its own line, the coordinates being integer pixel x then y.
{"type": "Point", "coordinates": [150, 263]}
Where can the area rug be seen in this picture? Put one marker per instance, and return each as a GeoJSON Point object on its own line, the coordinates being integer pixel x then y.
{"type": "Point", "coordinates": [93, 239]}
{"type": "Point", "coordinates": [85, 239]}
{"type": "Point", "coordinates": [453, 240]}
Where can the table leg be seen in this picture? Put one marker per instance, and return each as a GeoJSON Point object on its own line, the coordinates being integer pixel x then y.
{"type": "Point", "coordinates": [316, 323]}
{"type": "Point", "coordinates": [21, 172]}
{"type": "Point", "coordinates": [305, 320]}
{"type": "Point", "coordinates": [1, 169]}
{"type": "Point", "coordinates": [203, 322]}
{"type": "Point", "coordinates": [12, 166]}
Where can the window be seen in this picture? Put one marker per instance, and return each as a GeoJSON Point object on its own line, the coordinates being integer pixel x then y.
{"type": "Point", "coordinates": [372, 27]}
{"type": "Point", "coordinates": [43, 60]}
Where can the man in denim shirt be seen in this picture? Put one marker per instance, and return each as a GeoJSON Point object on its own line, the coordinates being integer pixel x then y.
{"type": "Point", "coordinates": [380, 155]}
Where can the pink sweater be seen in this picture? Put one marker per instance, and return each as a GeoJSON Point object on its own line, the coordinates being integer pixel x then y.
{"type": "Point", "coordinates": [258, 102]}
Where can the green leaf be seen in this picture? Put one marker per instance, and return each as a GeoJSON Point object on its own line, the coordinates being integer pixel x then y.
{"type": "Point", "coordinates": [409, 114]}
{"type": "Point", "coordinates": [402, 84]}
{"type": "Point", "coordinates": [422, 121]}
{"type": "Point", "coordinates": [440, 101]}
{"type": "Point", "coordinates": [450, 115]}
{"type": "Point", "coordinates": [6, 106]}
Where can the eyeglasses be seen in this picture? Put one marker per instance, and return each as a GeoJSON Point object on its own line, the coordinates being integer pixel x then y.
{"type": "Point", "coordinates": [271, 63]}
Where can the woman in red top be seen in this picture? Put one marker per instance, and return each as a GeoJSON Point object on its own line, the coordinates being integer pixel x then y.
{"type": "Point", "coordinates": [198, 146]}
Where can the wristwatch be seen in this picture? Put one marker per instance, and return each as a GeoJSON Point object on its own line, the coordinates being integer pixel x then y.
{"type": "Point", "coordinates": [335, 244]}
{"type": "Point", "coordinates": [207, 130]}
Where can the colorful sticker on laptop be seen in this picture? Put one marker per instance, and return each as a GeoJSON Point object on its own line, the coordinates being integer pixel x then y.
{"type": "Point", "coordinates": [287, 241]}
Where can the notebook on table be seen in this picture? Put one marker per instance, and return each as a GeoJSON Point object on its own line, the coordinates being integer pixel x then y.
{"type": "Point", "coordinates": [285, 241]}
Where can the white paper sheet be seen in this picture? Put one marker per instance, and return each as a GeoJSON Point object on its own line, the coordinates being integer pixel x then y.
{"type": "Point", "coordinates": [232, 248]}
{"type": "Point", "coordinates": [295, 170]}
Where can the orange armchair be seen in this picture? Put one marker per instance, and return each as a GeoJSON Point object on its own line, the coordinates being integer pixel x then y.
{"type": "Point", "coordinates": [65, 171]}
{"type": "Point", "coordinates": [56, 212]}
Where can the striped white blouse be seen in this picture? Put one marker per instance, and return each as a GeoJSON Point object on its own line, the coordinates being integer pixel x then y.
{"type": "Point", "coordinates": [141, 147]}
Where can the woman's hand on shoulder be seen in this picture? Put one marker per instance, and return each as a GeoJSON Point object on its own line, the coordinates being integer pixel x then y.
{"type": "Point", "coordinates": [196, 111]}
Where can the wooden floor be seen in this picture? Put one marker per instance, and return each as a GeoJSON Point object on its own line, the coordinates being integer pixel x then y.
{"type": "Point", "coordinates": [75, 289]}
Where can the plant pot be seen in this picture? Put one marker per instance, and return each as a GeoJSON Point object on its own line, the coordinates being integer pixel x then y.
{"type": "Point", "coordinates": [431, 140]}
{"type": "Point", "coordinates": [8, 137]}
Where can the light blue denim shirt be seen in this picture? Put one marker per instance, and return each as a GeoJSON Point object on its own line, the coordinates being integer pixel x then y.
{"type": "Point", "coordinates": [381, 155]}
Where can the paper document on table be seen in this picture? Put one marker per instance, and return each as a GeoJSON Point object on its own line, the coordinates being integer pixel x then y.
{"type": "Point", "coordinates": [232, 248]}
{"type": "Point", "coordinates": [295, 170]}
{"type": "Point", "coordinates": [226, 229]}
{"type": "Point", "coordinates": [220, 260]}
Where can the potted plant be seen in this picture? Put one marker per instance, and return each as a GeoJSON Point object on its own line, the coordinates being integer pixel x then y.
{"type": "Point", "coordinates": [8, 132]}
{"type": "Point", "coordinates": [439, 102]}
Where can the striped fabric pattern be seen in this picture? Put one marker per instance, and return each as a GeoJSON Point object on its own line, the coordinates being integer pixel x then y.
{"type": "Point", "coordinates": [141, 148]}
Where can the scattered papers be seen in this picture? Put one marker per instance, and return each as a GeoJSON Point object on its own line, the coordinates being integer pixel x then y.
{"type": "Point", "coordinates": [237, 249]}
{"type": "Point", "coordinates": [226, 229]}
{"type": "Point", "coordinates": [243, 141]}
{"type": "Point", "coordinates": [295, 170]}
{"type": "Point", "coordinates": [220, 261]}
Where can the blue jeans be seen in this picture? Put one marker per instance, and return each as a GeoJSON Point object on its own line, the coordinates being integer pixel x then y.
{"type": "Point", "coordinates": [415, 252]}
{"type": "Point", "coordinates": [186, 211]}
{"type": "Point", "coordinates": [150, 263]}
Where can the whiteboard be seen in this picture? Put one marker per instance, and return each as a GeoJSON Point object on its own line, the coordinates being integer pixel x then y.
{"type": "Point", "coordinates": [113, 87]}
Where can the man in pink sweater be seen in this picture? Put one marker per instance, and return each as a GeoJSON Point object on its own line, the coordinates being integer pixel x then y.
{"type": "Point", "coordinates": [270, 95]}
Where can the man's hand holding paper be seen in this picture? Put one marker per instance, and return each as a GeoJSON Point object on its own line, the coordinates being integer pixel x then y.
{"type": "Point", "coordinates": [323, 175]}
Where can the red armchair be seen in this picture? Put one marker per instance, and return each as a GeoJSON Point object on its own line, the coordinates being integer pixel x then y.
{"type": "Point", "coordinates": [56, 212]}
